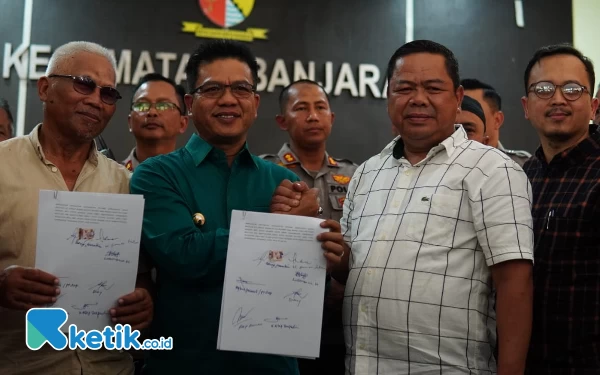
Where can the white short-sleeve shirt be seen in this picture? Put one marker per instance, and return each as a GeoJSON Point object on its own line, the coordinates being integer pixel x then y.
{"type": "Point", "coordinates": [419, 297]}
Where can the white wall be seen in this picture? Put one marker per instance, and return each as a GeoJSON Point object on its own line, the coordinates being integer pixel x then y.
{"type": "Point", "coordinates": [586, 14]}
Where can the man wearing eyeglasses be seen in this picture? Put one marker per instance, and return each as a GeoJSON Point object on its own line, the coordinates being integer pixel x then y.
{"type": "Point", "coordinates": [157, 117]}
{"type": "Point", "coordinates": [565, 178]}
{"type": "Point", "coordinates": [79, 96]}
{"type": "Point", "coordinates": [189, 195]}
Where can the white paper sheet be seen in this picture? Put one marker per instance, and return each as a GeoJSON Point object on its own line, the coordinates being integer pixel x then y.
{"type": "Point", "coordinates": [91, 242]}
{"type": "Point", "coordinates": [274, 285]}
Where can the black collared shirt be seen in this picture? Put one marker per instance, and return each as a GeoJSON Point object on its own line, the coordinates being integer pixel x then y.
{"type": "Point", "coordinates": [566, 218]}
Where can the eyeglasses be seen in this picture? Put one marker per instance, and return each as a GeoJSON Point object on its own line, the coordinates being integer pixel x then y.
{"type": "Point", "coordinates": [142, 107]}
{"type": "Point", "coordinates": [86, 86]}
{"type": "Point", "coordinates": [545, 90]}
{"type": "Point", "coordinates": [215, 90]}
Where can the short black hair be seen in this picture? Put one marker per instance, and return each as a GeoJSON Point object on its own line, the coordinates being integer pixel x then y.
{"type": "Point", "coordinates": [426, 46]}
{"type": "Point", "coordinates": [154, 77]}
{"type": "Point", "coordinates": [284, 94]}
{"type": "Point", "coordinates": [560, 49]}
{"type": "Point", "coordinates": [471, 105]}
{"type": "Point", "coordinates": [216, 50]}
{"type": "Point", "coordinates": [4, 105]}
{"type": "Point", "coordinates": [489, 93]}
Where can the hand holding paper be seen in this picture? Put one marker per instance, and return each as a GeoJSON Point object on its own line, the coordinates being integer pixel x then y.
{"type": "Point", "coordinates": [333, 243]}
{"type": "Point", "coordinates": [26, 288]}
{"type": "Point", "coordinates": [135, 309]}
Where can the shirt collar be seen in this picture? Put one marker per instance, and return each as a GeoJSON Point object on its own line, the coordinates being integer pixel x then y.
{"type": "Point", "coordinates": [200, 149]}
{"type": "Point", "coordinates": [34, 137]}
{"type": "Point", "coordinates": [396, 147]}
{"type": "Point", "coordinates": [578, 153]}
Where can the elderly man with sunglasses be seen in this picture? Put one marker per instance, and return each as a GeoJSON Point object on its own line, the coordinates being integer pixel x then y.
{"type": "Point", "coordinates": [565, 179]}
{"type": "Point", "coordinates": [79, 96]}
{"type": "Point", "coordinates": [156, 119]}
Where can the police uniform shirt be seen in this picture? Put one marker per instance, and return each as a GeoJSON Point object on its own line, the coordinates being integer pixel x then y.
{"type": "Point", "coordinates": [331, 180]}
{"type": "Point", "coordinates": [131, 162]}
{"type": "Point", "coordinates": [519, 156]}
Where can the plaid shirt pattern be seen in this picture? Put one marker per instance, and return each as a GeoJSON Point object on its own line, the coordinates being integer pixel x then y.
{"type": "Point", "coordinates": [419, 296]}
{"type": "Point", "coordinates": [566, 215]}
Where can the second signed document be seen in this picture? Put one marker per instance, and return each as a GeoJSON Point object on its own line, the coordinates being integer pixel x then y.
{"type": "Point", "coordinates": [274, 285]}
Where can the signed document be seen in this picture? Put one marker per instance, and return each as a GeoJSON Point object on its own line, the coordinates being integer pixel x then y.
{"type": "Point", "coordinates": [274, 285]}
{"type": "Point", "coordinates": [91, 242]}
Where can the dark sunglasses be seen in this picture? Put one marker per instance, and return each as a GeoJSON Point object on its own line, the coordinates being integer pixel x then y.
{"type": "Point", "coordinates": [86, 86]}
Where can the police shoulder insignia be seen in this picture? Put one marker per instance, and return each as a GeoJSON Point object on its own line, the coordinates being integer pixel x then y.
{"type": "Point", "coordinates": [341, 179]}
{"type": "Point", "coordinates": [289, 157]}
{"type": "Point", "coordinates": [129, 165]}
{"type": "Point", "coordinates": [332, 161]}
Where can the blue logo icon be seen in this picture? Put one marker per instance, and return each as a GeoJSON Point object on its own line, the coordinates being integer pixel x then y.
{"type": "Point", "coordinates": [42, 325]}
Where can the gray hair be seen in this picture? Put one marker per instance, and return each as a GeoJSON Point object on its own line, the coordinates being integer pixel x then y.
{"type": "Point", "coordinates": [73, 48]}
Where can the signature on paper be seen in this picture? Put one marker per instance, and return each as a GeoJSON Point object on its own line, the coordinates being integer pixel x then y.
{"type": "Point", "coordinates": [296, 296]}
{"type": "Point", "coordinates": [101, 287]}
{"type": "Point", "coordinates": [240, 317]}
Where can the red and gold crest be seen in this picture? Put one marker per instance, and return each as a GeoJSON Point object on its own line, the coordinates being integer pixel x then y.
{"type": "Point", "coordinates": [289, 157]}
{"type": "Point", "coordinates": [341, 179]}
{"type": "Point", "coordinates": [129, 166]}
{"type": "Point", "coordinates": [341, 201]}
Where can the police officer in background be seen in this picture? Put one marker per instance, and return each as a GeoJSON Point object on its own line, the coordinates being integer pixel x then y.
{"type": "Point", "coordinates": [491, 102]}
{"type": "Point", "coordinates": [307, 117]}
{"type": "Point", "coordinates": [156, 119]}
{"type": "Point", "coordinates": [472, 119]}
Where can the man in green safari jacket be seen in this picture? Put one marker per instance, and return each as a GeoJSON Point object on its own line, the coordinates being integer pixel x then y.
{"type": "Point", "coordinates": [189, 195]}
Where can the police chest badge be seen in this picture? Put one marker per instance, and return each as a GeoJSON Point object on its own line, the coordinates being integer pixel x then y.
{"type": "Point", "coordinates": [341, 179]}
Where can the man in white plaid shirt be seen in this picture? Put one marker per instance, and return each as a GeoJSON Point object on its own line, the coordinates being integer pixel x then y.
{"type": "Point", "coordinates": [439, 235]}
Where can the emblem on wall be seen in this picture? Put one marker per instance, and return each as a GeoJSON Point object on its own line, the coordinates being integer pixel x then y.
{"type": "Point", "coordinates": [226, 14]}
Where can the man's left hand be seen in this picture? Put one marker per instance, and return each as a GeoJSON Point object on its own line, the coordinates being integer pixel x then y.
{"type": "Point", "coordinates": [135, 309]}
{"type": "Point", "coordinates": [333, 243]}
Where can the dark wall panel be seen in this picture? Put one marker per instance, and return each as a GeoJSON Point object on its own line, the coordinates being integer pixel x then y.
{"type": "Point", "coordinates": [482, 33]}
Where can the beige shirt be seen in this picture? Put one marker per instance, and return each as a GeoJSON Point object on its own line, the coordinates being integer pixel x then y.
{"type": "Point", "coordinates": [24, 171]}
